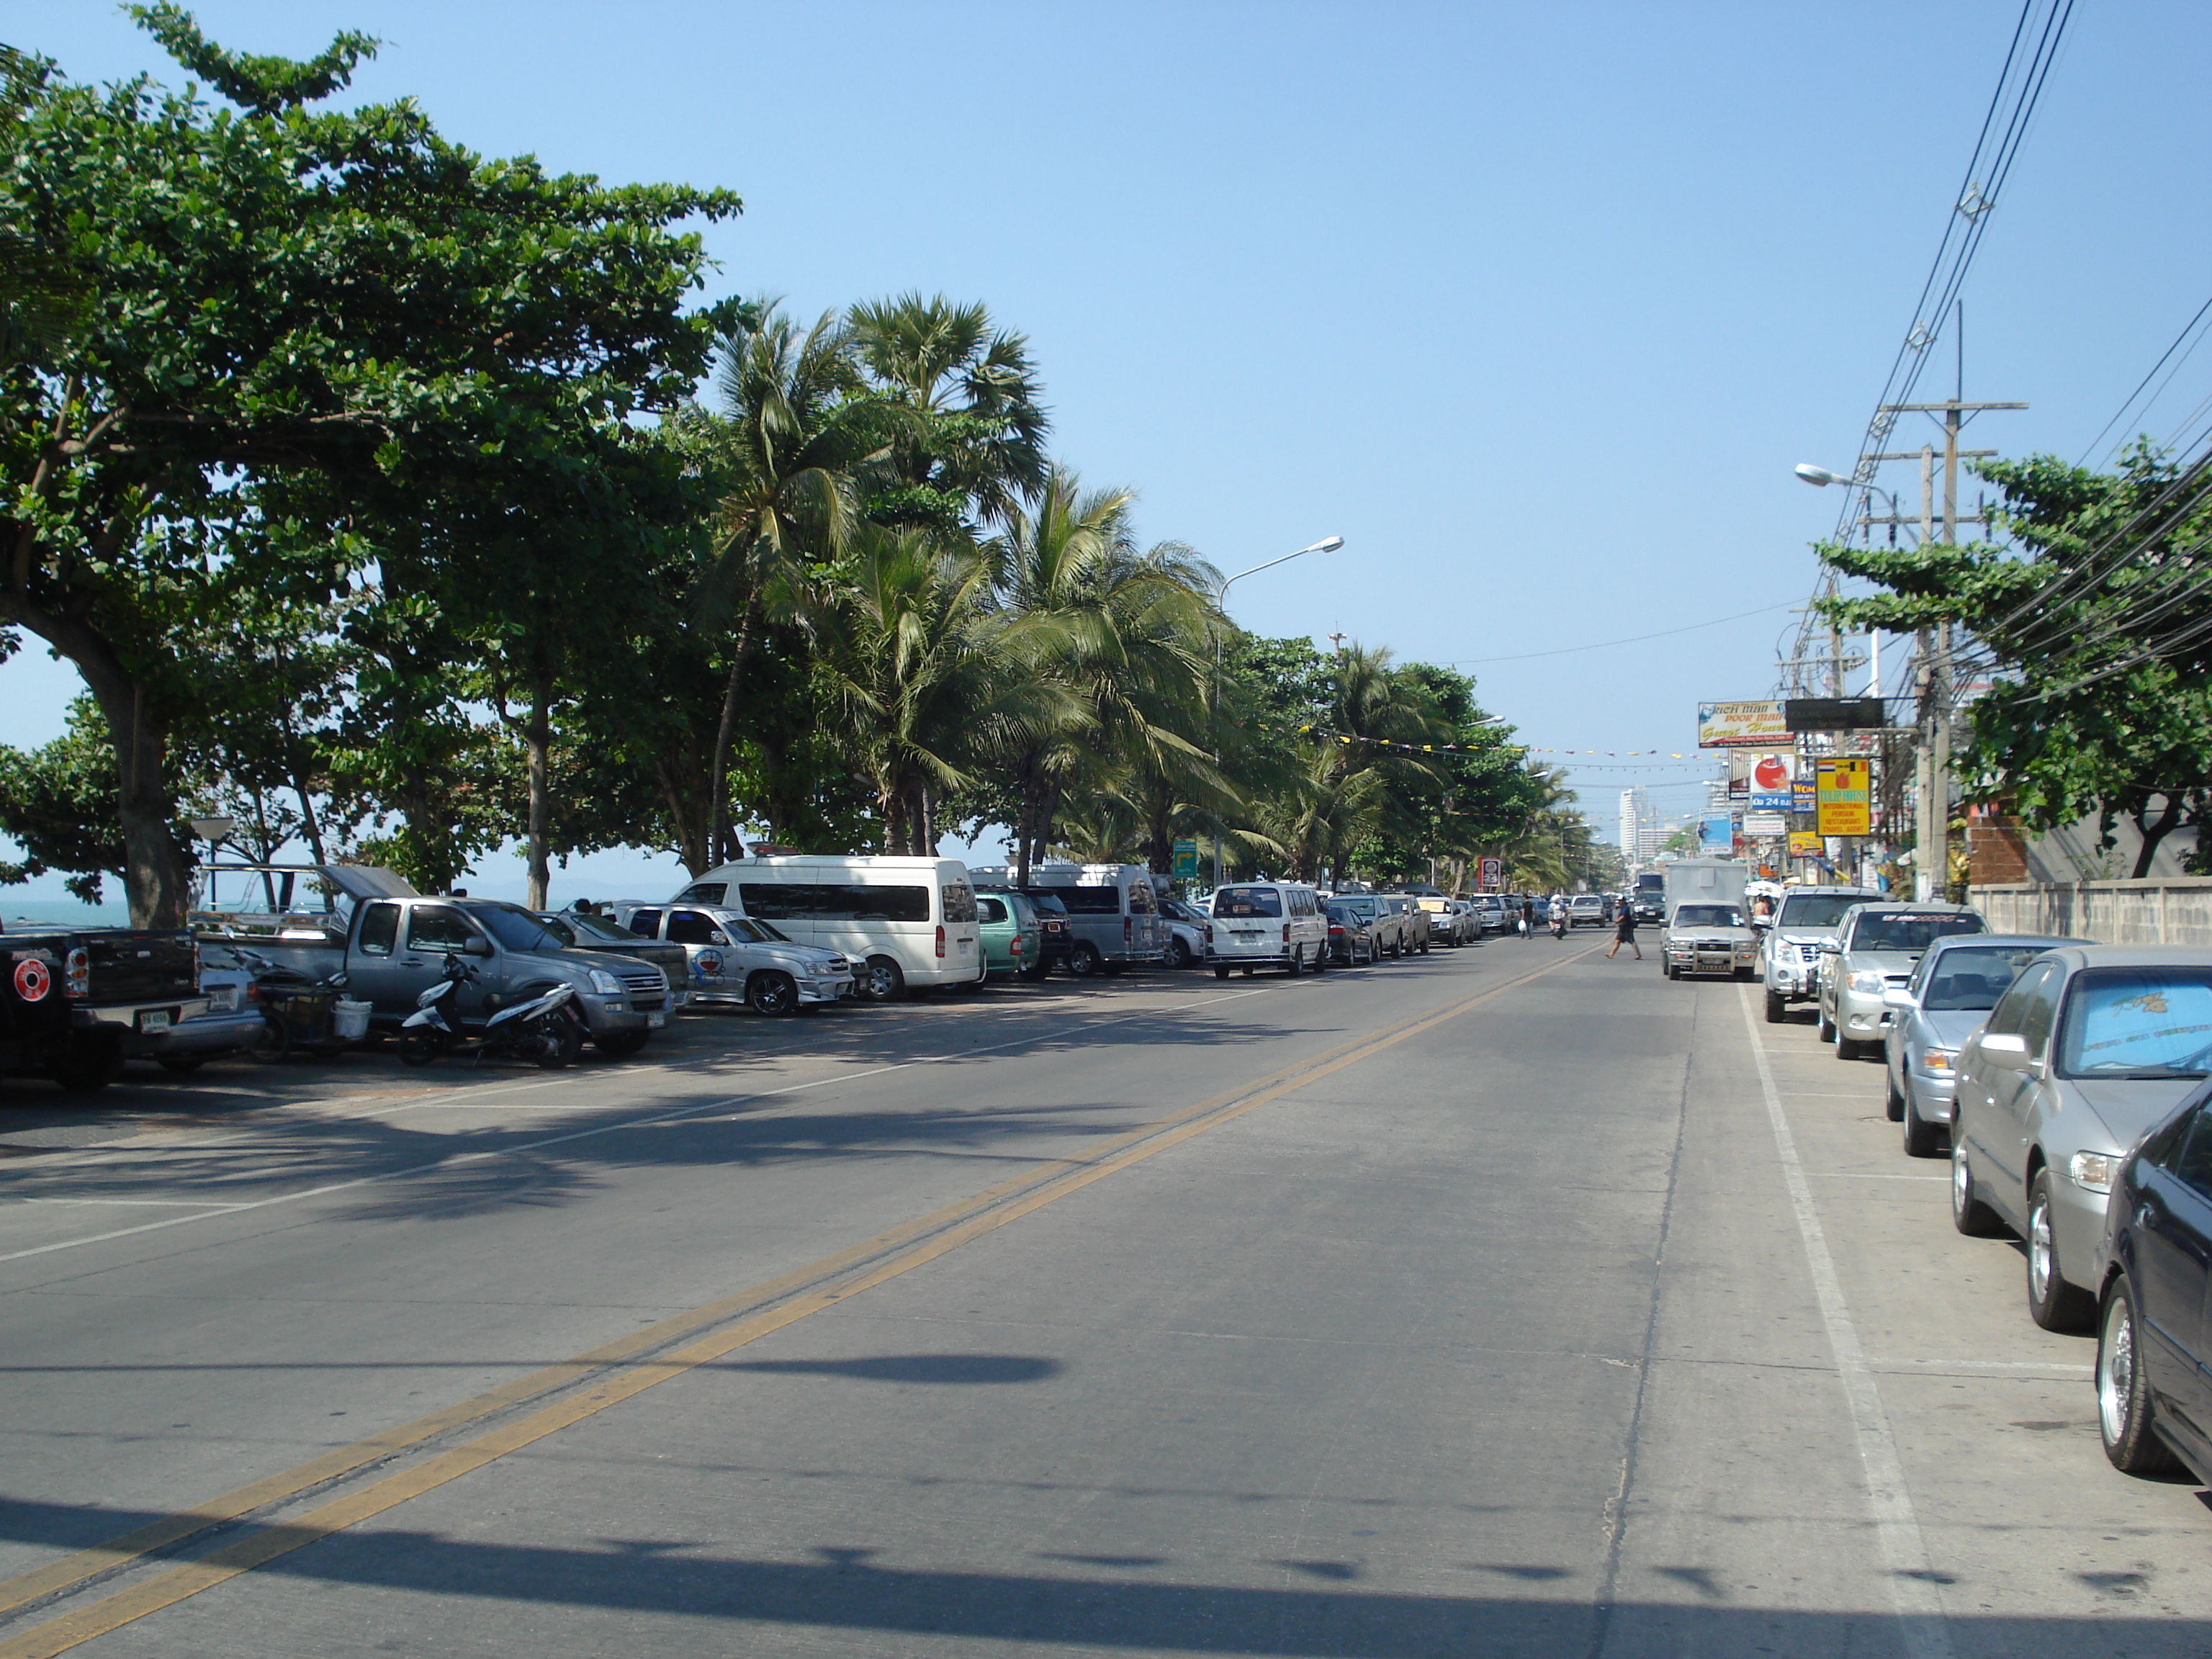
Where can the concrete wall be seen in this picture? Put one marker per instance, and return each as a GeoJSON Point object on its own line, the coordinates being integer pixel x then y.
{"type": "Point", "coordinates": [2177, 910]}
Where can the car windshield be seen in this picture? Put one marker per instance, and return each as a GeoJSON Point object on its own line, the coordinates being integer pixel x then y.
{"type": "Point", "coordinates": [603, 929]}
{"type": "Point", "coordinates": [1974, 976]}
{"type": "Point", "coordinates": [514, 927]}
{"type": "Point", "coordinates": [1709, 915]}
{"type": "Point", "coordinates": [1816, 909]}
{"type": "Point", "coordinates": [2138, 1022]}
{"type": "Point", "coordinates": [1248, 902]}
{"type": "Point", "coordinates": [1364, 908]}
{"type": "Point", "coordinates": [1909, 930]}
{"type": "Point", "coordinates": [1046, 903]}
{"type": "Point", "coordinates": [746, 931]}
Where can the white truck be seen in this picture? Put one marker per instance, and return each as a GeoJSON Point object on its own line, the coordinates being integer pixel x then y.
{"type": "Point", "coordinates": [1709, 927]}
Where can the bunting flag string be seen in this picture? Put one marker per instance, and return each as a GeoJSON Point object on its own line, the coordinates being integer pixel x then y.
{"type": "Point", "coordinates": [1512, 749]}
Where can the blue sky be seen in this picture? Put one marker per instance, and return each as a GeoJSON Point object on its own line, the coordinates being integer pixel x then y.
{"type": "Point", "coordinates": [1536, 307]}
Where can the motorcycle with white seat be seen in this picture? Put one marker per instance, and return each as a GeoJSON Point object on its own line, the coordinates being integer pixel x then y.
{"type": "Point", "coordinates": [541, 1029]}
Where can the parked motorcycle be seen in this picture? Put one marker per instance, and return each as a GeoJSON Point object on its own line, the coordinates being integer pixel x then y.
{"type": "Point", "coordinates": [543, 1029]}
{"type": "Point", "coordinates": [296, 1012]}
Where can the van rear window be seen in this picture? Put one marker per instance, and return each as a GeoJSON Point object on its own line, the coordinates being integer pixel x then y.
{"type": "Point", "coordinates": [834, 900]}
{"type": "Point", "coordinates": [1091, 900]}
{"type": "Point", "coordinates": [1248, 902]}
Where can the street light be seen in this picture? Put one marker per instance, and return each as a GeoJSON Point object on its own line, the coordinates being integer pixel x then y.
{"type": "Point", "coordinates": [1326, 544]}
{"type": "Point", "coordinates": [1821, 477]}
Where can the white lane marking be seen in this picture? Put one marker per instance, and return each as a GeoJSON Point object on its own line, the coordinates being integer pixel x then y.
{"type": "Point", "coordinates": [1992, 1365]}
{"type": "Point", "coordinates": [579, 1134]}
{"type": "Point", "coordinates": [1839, 1174]}
{"type": "Point", "coordinates": [1912, 1590]}
{"type": "Point", "coordinates": [155, 1203]}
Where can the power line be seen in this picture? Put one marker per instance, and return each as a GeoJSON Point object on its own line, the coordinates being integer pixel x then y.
{"type": "Point", "coordinates": [2203, 311]}
{"type": "Point", "coordinates": [1606, 645]}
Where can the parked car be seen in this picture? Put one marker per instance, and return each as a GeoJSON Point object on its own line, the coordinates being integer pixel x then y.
{"type": "Point", "coordinates": [1489, 909]}
{"type": "Point", "coordinates": [1708, 938]}
{"type": "Point", "coordinates": [1443, 914]}
{"type": "Point", "coordinates": [1113, 913]}
{"type": "Point", "coordinates": [900, 921]}
{"type": "Point", "coordinates": [74, 1002]}
{"type": "Point", "coordinates": [1877, 947]}
{"type": "Point", "coordinates": [2091, 1047]}
{"type": "Point", "coordinates": [2154, 1314]}
{"type": "Point", "coordinates": [1412, 917]}
{"type": "Point", "coordinates": [735, 958]}
{"type": "Point", "coordinates": [1013, 938]}
{"type": "Point", "coordinates": [582, 931]}
{"type": "Point", "coordinates": [1789, 955]}
{"type": "Point", "coordinates": [1386, 927]}
{"type": "Point", "coordinates": [233, 1023]}
{"type": "Point", "coordinates": [1350, 934]}
{"type": "Point", "coordinates": [1931, 1016]}
{"type": "Point", "coordinates": [1586, 910]}
{"type": "Point", "coordinates": [1058, 928]}
{"type": "Point", "coordinates": [1267, 924]}
{"type": "Point", "coordinates": [1185, 927]}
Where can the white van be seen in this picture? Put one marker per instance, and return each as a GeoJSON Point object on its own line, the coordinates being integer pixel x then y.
{"type": "Point", "coordinates": [1113, 912]}
{"type": "Point", "coordinates": [900, 921]}
{"type": "Point", "coordinates": [1267, 924]}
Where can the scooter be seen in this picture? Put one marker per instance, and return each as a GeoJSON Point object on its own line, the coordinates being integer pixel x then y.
{"type": "Point", "coordinates": [296, 1012]}
{"type": "Point", "coordinates": [542, 1030]}
{"type": "Point", "coordinates": [1558, 924]}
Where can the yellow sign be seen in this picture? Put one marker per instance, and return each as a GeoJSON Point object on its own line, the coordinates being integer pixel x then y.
{"type": "Point", "coordinates": [1804, 844]}
{"type": "Point", "coordinates": [1742, 725]}
{"type": "Point", "coordinates": [1840, 798]}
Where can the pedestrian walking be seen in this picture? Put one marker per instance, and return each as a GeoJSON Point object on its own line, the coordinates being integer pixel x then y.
{"type": "Point", "coordinates": [1624, 932]}
{"type": "Point", "coordinates": [1528, 918]}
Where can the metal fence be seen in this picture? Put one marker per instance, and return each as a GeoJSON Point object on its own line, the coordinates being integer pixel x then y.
{"type": "Point", "coordinates": [2168, 910]}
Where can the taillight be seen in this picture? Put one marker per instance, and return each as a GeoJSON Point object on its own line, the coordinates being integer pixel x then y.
{"type": "Point", "coordinates": [940, 941]}
{"type": "Point", "coordinates": [76, 972]}
{"type": "Point", "coordinates": [1286, 933]}
{"type": "Point", "coordinates": [1017, 945]}
{"type": "Point", "coordinates": [1128, 928]}
{"type": "Point", "coordinates": [1209, 933]}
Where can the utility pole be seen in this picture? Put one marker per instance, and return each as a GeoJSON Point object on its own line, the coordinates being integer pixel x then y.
{"type": "Point", "coordinates": [1931, 857]}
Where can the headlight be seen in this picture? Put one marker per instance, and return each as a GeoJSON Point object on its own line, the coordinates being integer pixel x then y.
{"type": "Point", "coordinates": [605, 983]}
{"type": "Point", "coordinates": [1867, 980]}
{"type": "Point", "coordinates": [2093, 1172]}
{"type": "Point", "coordinates": [1938, 1060]}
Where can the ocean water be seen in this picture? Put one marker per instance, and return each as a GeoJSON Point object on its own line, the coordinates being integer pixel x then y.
{"type": "Point", "coordinates": [65, 912]}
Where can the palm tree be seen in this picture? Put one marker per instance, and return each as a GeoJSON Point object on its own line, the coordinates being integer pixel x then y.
{"type": "Point", "coordinates": [974, 440]}
{"type": "Point", "coordinates": [1122, 633]}
{"type": "Point", "coordinates": [795, 425]}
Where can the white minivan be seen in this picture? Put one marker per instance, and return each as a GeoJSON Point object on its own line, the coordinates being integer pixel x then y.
{"type": "Point", "coordinates": [1267, 924]}
{"type": "Point", "coordinates": [901, 921]}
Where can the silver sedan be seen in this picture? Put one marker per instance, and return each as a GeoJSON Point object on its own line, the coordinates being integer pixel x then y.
{"type": "Point", "coordinates": [1933, 1014]}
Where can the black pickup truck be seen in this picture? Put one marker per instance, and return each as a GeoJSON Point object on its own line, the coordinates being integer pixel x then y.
{"type": "Point", "coordinates": [74, 1002]}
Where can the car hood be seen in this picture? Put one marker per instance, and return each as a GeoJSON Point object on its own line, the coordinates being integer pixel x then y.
{"type": "Point", "coordinates": [1807, 936]}
{"type": "Point", "coordinates": [2128, 1109]}
{"type": "Point", "coordinates": [576, 964]}
{"type": "Point", "coordinates": [1883, 961]}
{"type": "Point", "coordinates": [1741, 935]}
{"type": "Point", "coordinates": [811, 957]}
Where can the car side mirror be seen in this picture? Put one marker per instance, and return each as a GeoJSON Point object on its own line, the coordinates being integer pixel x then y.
{"type": "Point", "coordinates": [2005, 1048]}
{"type": "Point", "coordinates": [1897, 996]}
{"type": "Point", "coordinates": [476, 947]}
{"type": "Point", "coordinates": [1830, 947]}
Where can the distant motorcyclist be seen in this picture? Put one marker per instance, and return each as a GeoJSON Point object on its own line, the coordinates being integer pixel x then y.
{"type": "Point", "coordinates": [1559, 918]}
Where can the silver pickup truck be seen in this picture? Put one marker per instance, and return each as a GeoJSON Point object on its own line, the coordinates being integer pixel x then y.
{"type": "Point", "coordinates": [392, 943]}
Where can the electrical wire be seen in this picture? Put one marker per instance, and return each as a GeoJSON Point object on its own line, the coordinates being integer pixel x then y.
{"type": "Point", "coordinates": [2203, 311]}
{"type": "Point", "coordinates": [1606, 645]}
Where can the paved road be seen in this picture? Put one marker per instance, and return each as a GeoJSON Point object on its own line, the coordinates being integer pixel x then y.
{"type": "Point", "coordinates": [1511, 1301]}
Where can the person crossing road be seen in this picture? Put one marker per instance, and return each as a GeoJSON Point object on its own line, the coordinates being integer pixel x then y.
{"type": "Point", "coordinates": [1624, 932]}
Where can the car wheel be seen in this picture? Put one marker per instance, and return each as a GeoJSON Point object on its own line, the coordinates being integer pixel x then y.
{"type": "Point", "coordinates": [1178, 953]}
{"type": "Point", "coordinates": [1968, 1213]}
{"type": "Point", "coordinates": [1827, 1025]}
{"type": "Point", "coordinates": [1247, 972]}
{"type": "Point", "coordinates": [772, 993]}
{"type": "Point", "coordinates": [2053, 1302]}
{"type": "Point", "coordinates": [1921, 1136]}
{"type": "Point", "coordinates": [1743, 973]}
{"type": "Point", "coordinates": [621, 1045]}
{"type": "Point", "coordinates": [2123, 1407]}
{"type": "Point", "coordinates": [1296, 964]}
{"type": "Point", "coordinates": [1221, 970]}
{"type": "Point", "coordinates": [1669, 971]}
{"type": "Point", "coordinates": [881, 979]}
{"type": "Point", "coordinates": [183, 1063]}
{"type": "Point", "coordinates": [83, 1073]}
{"type": "Point", "coordinates": [1776, 1010]}
{"type": "Point", "coordinates": [1424, 947]}
{"type": "Point", "coordinates": [272, 1041]}
{"type": "Point", "coordinates": [1892, 1102]}
{"type": "Point", "coordinates": [1848, 1047]}
{"type": "Point", "coordinates": [1083, 960]}
{"type": "Point", "coordinates": [1322, 960]}
{"type": "Point", "coordinates": [419, 1045]}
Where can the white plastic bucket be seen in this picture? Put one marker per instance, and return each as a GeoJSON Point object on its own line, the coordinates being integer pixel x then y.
{"type": "Point", "coordinates": [349, 1020]}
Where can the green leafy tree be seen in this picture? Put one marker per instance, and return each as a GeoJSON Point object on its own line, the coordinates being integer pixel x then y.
{"type": "Point", "coordinates": [317, 319]}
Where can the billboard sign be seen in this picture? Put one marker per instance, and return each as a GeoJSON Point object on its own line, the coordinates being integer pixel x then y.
{"type": "Point", "coordinates": [1804, 798]}
{"type": "Point", "coordinates": [1833, 714]}
{"type": "Point", "coordinates": [1840, 785]}
{"type": "Point", "coordinates": [1492, 877]}
{"type": "Point", "coordinates": [1186, 860]}
{"type": "Point", "coordinates": [1765, 826]}
{"type": "Point", "coordinates": [1771, 776]}
{"type": "Point", "coordinates": [1717, 833]}
{"type": "Point", "coordinates": [1742, 725]}
{"type": "Point", "coordinates": [1805, 844]}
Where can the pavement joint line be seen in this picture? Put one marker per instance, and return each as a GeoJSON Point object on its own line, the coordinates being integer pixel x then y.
{"type": "Point", "coordinates": [1845, 1175]}
{"type": "Point", "coordinates": [1912, 1590]}
{"type": "Point", "coordinates": [655, 1122]}
{"type": "Point", "coordinates": [2066, 1365]}
{"type": "Point", "coordinates": [759, 1310]}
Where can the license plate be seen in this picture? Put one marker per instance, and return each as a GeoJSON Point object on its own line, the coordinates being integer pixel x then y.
{"type": "Point", "coordinates": [654, 1022]}
{"type": "Point", "coordinates": [966, 945]}
{"type": "Point", "coordinates": [1243, 933]}
{"type": "Point", "coordinates": [223, 1000]}
{"type": "Point", "coordinates": [154, 1022]}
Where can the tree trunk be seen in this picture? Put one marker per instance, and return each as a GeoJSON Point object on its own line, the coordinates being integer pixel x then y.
{"type": "Point", "coordinates": [925, 824]}
{"type": "Point", "coordinates": [2154, 833]}
{"type": "Point", "coordinates": [719, 839]}
{"type": "Point", "coordinates": [690, 826]}
{"type": "Point", "coordinates": [538, 741]}
{"type": "Point", "coordinates": [156, 870]}
{"type": "Point", "coordinates": [1025, 817]}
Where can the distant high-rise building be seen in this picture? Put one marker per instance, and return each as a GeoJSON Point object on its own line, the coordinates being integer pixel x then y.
{"type": "Point", "coordinates": [1635, 816]}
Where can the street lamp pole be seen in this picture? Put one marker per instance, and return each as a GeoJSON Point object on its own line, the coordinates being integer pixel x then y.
{"type": "Point", "coordinates": [1327, 544]}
